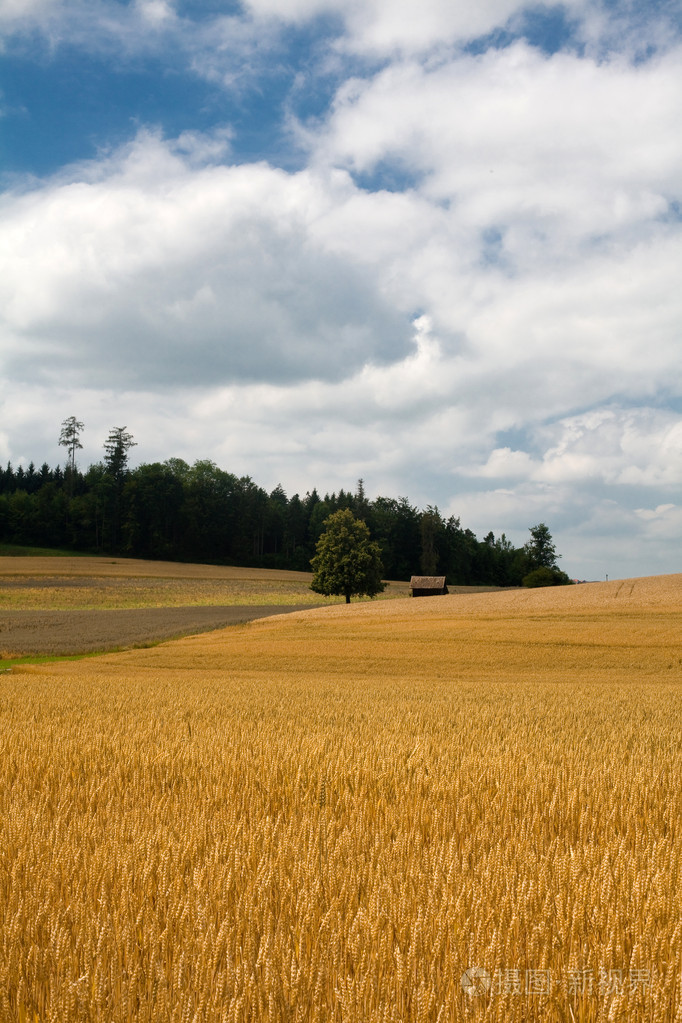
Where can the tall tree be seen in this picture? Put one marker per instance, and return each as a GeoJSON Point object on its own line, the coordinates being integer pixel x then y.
{"type": "Point", "coordinates": [116, 447]}
{"type": "Point", "coordinates": [540, 549]}
{"type": "Point", "coordinates": [360, 504]}
{"type": "Point", "coordinates": [431, 529]}
{"type": "Point", "coordinates": [347, 562]}
{"type": "Point", "coordinates": [112, 485]}
{"type": "Point", "coordinates": [69, 438]}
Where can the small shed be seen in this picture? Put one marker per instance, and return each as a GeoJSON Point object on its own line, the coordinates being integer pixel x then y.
{"type": "Point", "coordinates": [427, 585]}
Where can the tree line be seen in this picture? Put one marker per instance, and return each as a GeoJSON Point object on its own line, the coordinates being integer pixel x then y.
{"type": "Point", "coordinates": [176, 511]}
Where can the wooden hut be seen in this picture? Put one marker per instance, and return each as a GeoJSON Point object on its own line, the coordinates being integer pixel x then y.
{"type": "Point", "coordinates": [427, 585]}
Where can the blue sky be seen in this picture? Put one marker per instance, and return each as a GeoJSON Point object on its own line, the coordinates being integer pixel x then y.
{"type": "Point", "coordinates": [65, 102]}
{"type": "Point", "coordinates": [433, 245]}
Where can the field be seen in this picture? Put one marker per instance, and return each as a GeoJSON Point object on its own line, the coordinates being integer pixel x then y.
{"type": "Point", "coordinates": [78, 604]}
{"type": "Point", "coordinates": [456, 808]}
{"type": "Point", "coordinates": [83, 604]}
{"type": "Point", "coordinates": [84, 583]}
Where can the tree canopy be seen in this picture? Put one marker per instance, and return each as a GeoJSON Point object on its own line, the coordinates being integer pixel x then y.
{"type": "Point", "coordinates": [347, 562]}
{"type": "Point", "coordinates": [201, 512]}
{"type": "Point", "coordinates": [116, 447]}
{"type": "Point", "coordinates": [541, 560]}
{"type": "Point", "coordinates": [69, 438]}
{"type": "Point", "coordinates": [540, 549]}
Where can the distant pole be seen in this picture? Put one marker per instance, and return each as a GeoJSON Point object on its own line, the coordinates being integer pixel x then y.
{"type": "Point", "coordinates": [607, 576]}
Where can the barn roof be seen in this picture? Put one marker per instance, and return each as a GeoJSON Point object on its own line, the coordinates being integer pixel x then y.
{"type": "Point", "coordinates": [427, 582]}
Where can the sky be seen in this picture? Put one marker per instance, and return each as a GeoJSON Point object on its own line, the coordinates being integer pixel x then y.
{"type": "Point", "coordinates": [432, 244]}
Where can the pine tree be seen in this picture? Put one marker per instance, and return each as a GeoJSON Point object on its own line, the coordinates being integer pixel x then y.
{"type": "Point", "coordinates": [69, 438]}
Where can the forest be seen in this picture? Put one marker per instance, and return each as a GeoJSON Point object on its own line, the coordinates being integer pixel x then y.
{"type": "Point", "coordinates": [175, 511]}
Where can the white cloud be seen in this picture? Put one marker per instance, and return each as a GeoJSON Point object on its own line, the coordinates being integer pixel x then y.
{"type": "Point", "coordinates": [538, 238]}
{"type": "Point", "coordinates": [504, 463]}
{"type": "Point", "coordinates": [266, 318]}
{"type": "Point", "coordinates": [154, 265]}
{"type": "Point", "coordinates": [635, 447]}
{"type": "Point", "coordinates": [663, 522]}
{"type": "Point", "coordinates": [630, 26]}
{"type": "Point", "coordinates": [156, 12]}
{"type": "Point", "coordinates": [228, 47]}
{"type": "Point", "coordinates": [639, 447]}
{"type": "Point", "coordinates": [512, 137]}
{"type": "Point", "coordinates": [147, 268]}
{"type": "Point", "coordinates": [224, 48]}
{"type": "Point", "coordinates": [12, 10]}
{"type": "Point", "coordinates": [379, 27]}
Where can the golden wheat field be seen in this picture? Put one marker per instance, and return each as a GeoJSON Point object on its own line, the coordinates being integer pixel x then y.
{"type": "Point", "coordinates": [454, 808]}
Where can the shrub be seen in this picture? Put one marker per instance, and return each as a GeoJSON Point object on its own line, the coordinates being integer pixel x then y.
{"type": "Point", "coordinates": [545, 576]}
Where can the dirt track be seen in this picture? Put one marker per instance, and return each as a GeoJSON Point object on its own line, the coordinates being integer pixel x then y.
{"type": "Point", "coordinates": [72, 632]}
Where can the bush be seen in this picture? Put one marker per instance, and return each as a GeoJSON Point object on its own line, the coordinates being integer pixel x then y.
{"type": "Point", "coordinates": [546, 577]}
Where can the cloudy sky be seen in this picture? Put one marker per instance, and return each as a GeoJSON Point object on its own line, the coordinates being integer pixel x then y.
{"type": "Point", "coordinates": [432, 243]}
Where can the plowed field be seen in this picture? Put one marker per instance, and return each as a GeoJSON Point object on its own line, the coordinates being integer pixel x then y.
{"type": "Point", "coordinates": [76, 632]}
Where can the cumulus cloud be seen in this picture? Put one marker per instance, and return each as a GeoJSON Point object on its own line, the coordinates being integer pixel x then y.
{"type": "Point", "coordinates": [17, 10]}
{"type": "Point", "coordinates": [146, 268]}
{"type": "Point", "coordinates": [513, 137]}
{"type": "Point", "coordinates": [378, 27]}
{"type": "Point", "coordinates": [540, 232]}
{"type": "Point", "coordinates": [638, 447]}
{"type": "Point", "coordinates": [466, 292]}
{"type": "Point", "coordinates": [227, 47]}
{"type": "Point", "coordinates": [372, 27]}
{"type": "Point", "coordinates": [661, 523]}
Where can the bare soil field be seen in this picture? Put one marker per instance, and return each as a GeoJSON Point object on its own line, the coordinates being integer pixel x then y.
{"type": "Point", "coordinates": [439, 810]}
{"type": "Point", "coordinates": [76, 632]}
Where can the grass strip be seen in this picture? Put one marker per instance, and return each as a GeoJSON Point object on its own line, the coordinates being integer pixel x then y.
{"type": "Point", "coordinates": [6, 664]}
{"type": "Point", "coordinates": [13, 550]}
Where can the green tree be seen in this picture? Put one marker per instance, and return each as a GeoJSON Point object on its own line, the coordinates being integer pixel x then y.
{"type": "Point", "coordinates": [347, 562]}
{"type": "Point", "coordinates": [431, 529]}
{"type": "Point", "coordinates": [116, 447]}
{"type": "Point", "coordinates": [69, 438]}
{"type": "Point", "coordinates": [540, 549]}
{"type": "Point", "coordinates": [153, 499]}
{"type": "Point", "coordinates": [545, 576]}
{"type": "Point", "coordinates": [112, 486]}
{"type": "Point", "coordinates": [395, 525]}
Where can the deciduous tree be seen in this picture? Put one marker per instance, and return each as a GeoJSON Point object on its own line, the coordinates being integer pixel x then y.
{"type": "Point", "coordinates": [540, 549]}
{"type": "Point", "coordinates": [347, 562]}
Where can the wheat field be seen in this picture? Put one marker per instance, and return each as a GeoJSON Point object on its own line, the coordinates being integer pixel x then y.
{"type": "Point", "coordinates": [456, 808]}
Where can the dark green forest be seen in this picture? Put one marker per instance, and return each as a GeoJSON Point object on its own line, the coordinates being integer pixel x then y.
{"type": "Point", "coordinates": [175, 511]}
